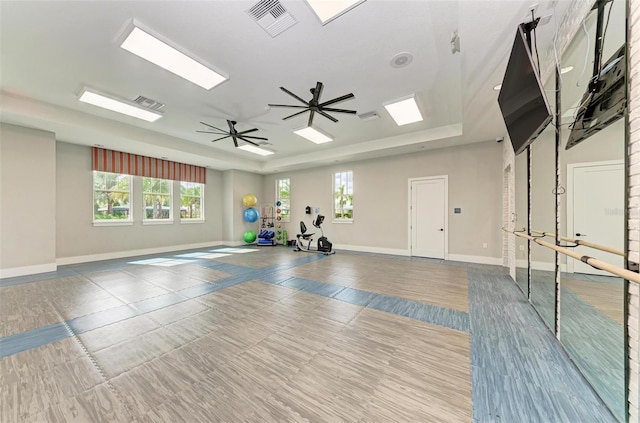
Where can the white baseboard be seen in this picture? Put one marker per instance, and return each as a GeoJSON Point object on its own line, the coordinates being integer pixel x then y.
{"type": "Point", "coordinates": [12, 272]}
{"type": "Point", "coordinates": [377, 250]}
{"type": "Point", "coordinates": [476, 259]}
{"type": "Point", "coordinates": [133, 253]}
{"type": "Point", "coordinates": [234, 243]}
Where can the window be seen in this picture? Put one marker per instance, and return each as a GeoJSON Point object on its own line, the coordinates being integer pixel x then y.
{"type": "Point", "coordinates": [343, 195]}
{"type": "Point", "coordinates": [283, 195]}
{"type": "Point", "coordinates": [111, 197]}
{"type": "Point", "coordinates": [157, 199]}
{"type": "Point", "coordinates": [191, 201]}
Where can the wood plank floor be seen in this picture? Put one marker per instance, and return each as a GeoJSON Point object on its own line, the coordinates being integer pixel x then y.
{"type": "Point", "coordinates": [267, 336]}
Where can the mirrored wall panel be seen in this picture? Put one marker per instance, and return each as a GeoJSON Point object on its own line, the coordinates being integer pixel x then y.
{"type": "Point", "coordinates": [592, 301]}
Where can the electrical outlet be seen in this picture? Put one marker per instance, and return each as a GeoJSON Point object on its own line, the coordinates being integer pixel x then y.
{"type": "Point", "coordinates": [484, 245]}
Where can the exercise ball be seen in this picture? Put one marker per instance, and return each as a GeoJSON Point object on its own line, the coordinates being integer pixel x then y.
{"type": "Point", "coordinates": [251, 215]}
{"type": "Point", "coordinates": [249, 200]}
{"type": "Point", "coordinates": [249, 236]}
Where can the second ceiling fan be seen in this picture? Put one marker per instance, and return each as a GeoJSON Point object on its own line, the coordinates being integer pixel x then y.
{"type": "Point", "coordinates": [233, 133]}
{"type": "Point", "coordinates": [314, 106]}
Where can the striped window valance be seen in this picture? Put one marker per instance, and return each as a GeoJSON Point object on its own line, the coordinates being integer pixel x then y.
{"type": "Point", "coordinates": [133, 164]}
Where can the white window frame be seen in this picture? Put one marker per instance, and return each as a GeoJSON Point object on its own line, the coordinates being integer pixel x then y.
{"type": "Point", "coordinates": [284, 219]}
{"type": "Point", "coordinates": [201, 219]}
{"type": "Point", "coordinates": [334, 210]}
{"type": "Point", "coordinates": [162, 221]}
{"type": "Point", "coordinates": [112, 222]}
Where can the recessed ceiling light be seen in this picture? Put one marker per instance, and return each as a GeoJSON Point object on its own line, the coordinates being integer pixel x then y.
{"type": "Point", "coordinates": [255, 150]}
{"type": "Point", "coordinates": [329, 10]}
{"type": "Point", "coordinates": [160, 53]}
{"type": "Point", "coordinates": [404, 111]}
{"type": "Point", "coordinates": [313, 135]}
{"type": "Point", "coordinates": [566, 69]}
{"type": "Point", "coordinates": [121, 106]}
{"type": "Point", "coordinates": [497, 87]}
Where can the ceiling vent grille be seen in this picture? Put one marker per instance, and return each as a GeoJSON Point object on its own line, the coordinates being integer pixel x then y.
{"type": "Point", "coordinates": [369, 115]}
{"type": "Point", "coordinates": [148, 103]}
{"type": "Point", "coordinates": [272, 16]}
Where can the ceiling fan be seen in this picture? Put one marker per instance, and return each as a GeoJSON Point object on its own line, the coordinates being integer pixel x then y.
{"type": "Point", "coordinates": [314, 106]}
{"type": "Point", "coordinates": [233, 133]}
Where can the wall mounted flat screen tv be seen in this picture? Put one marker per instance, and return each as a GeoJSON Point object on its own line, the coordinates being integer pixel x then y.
{"type": "Point", "coordinates": [522, 101]}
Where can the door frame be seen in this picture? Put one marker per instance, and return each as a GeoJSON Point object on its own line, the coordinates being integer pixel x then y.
{"type": "Point", "coordinates": [570, 189]}
{"type": "Point", "coordinates": [446, 212]}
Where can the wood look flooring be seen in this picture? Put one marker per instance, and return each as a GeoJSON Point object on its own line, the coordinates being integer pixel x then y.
{"type": "Point", "coordinates": [261, 336]}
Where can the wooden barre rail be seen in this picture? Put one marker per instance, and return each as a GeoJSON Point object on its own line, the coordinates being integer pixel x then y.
{"type": "Point", "coordinates": [583, 243]}
{"type": "Point", "coordinates": [593, 262]}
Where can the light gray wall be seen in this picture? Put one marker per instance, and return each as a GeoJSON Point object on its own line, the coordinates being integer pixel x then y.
{"type": "Point", "coordinates": [237, 184]}
{"type": "Point", "coordinates": [76, 235]}
{"type": "Point", "coordinates": [27, 198]}
{"type": "Point", "coordinates": [381, 198]}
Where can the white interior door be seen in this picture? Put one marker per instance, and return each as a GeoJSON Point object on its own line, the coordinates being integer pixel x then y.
{"type": "Point", "coordinates": [598, 212]}
{"type": "Point", "coordinates": [428, 217]}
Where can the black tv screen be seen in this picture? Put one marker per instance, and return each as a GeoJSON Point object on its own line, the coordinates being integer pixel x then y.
{"type": "Point", "coordinates": [522, 101]}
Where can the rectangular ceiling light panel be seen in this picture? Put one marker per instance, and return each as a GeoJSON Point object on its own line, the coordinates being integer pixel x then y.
{"type": "Point", "coordinates": [120, 106]}
{"type": "Point", "coordinates": [255, 150]}
{"type": "Point", "coordinates": [160, 53]}
{"type": "Point", "coordinates": [328, 10]}
{"type": "Point", "coordinates": [313, 135]}
{"type": "Point", "coordinates": [404, 111]}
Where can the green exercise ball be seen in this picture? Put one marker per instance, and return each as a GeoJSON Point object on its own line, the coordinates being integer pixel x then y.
{"type": "Point", "coordinates": [249, 236]}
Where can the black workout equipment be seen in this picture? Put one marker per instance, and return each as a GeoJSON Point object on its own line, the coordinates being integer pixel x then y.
{"type": "Point", "coordinates": [313, 106]}
{"type": "Point", "coordinates": [233, 133]}
{"type": "Point", "coordinates": [304, 239]}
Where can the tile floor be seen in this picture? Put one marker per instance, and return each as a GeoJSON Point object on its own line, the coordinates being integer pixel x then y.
{"type": "Point", "coordinates": [269, 335]}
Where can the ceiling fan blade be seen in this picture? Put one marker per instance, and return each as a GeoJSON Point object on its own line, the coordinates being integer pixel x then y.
{"type": "Point", "coordinates": [235, 141]}
{"type": "Point", "coordinates": [311, 117]}
{"type": "Point", "coordinates": [328, 116]}
{"type": "Point", "coordinates": [248, 130]}
{"type": "Point", "coordinates": [296, 114]}
{"type": "Point", "coordinates": [254, 138]}
{"type": "Point", "coordinates": [293, 95]}
{"type": "Point", "coordinates": [328, 109]}
{"type": "Point", "coordinates": [287, 105]}
{"type": "Point", "coordinates": [211, 126]}
{"type": "Point", "coordinates": [337, 100]}
{"type": "Point", "coordinates": [232, 126]}
{"type": "Point", "coordinates": [209, 132]}
{"type": "Point", "coordinates": [317, 92]}
{"type": "Point", "coordinates": [218, 139]}
{"type": "Point", "coordinates": [250, 142]}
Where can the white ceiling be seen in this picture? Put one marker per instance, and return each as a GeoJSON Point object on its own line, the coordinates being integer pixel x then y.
{"type": "Point", "coordinates": [51, 49]}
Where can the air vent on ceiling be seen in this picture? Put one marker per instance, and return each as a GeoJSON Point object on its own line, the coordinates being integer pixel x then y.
{"type": "Point", "coordinates": [148, 103]}
{"type": "Point", "coordinates": [369, 115]}
{"type": "Point", "coordinates": [272, 16]}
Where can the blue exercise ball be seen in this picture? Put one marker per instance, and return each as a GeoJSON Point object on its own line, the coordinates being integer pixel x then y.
{"type": "Point", "coordinates": [251, 215]}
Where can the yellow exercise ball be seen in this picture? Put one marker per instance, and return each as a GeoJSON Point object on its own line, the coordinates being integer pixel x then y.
{"type": "Point", "coordinates": [249, 200]}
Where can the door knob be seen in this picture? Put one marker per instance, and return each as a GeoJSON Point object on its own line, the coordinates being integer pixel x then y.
{"type": "Point", "coordinates": [441, 229]}
{"type": "Point", "coordinates": [579, 234]}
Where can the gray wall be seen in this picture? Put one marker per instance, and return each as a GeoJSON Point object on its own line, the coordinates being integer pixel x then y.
{"type": "Point", "coordinates": [78, 237]}
{"type": "Point", "coordinates": [237, 184]}
{"type": "Point", "coordinates": [28, 200]}
{"type": "Point", "coordinates": [381, 198]}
